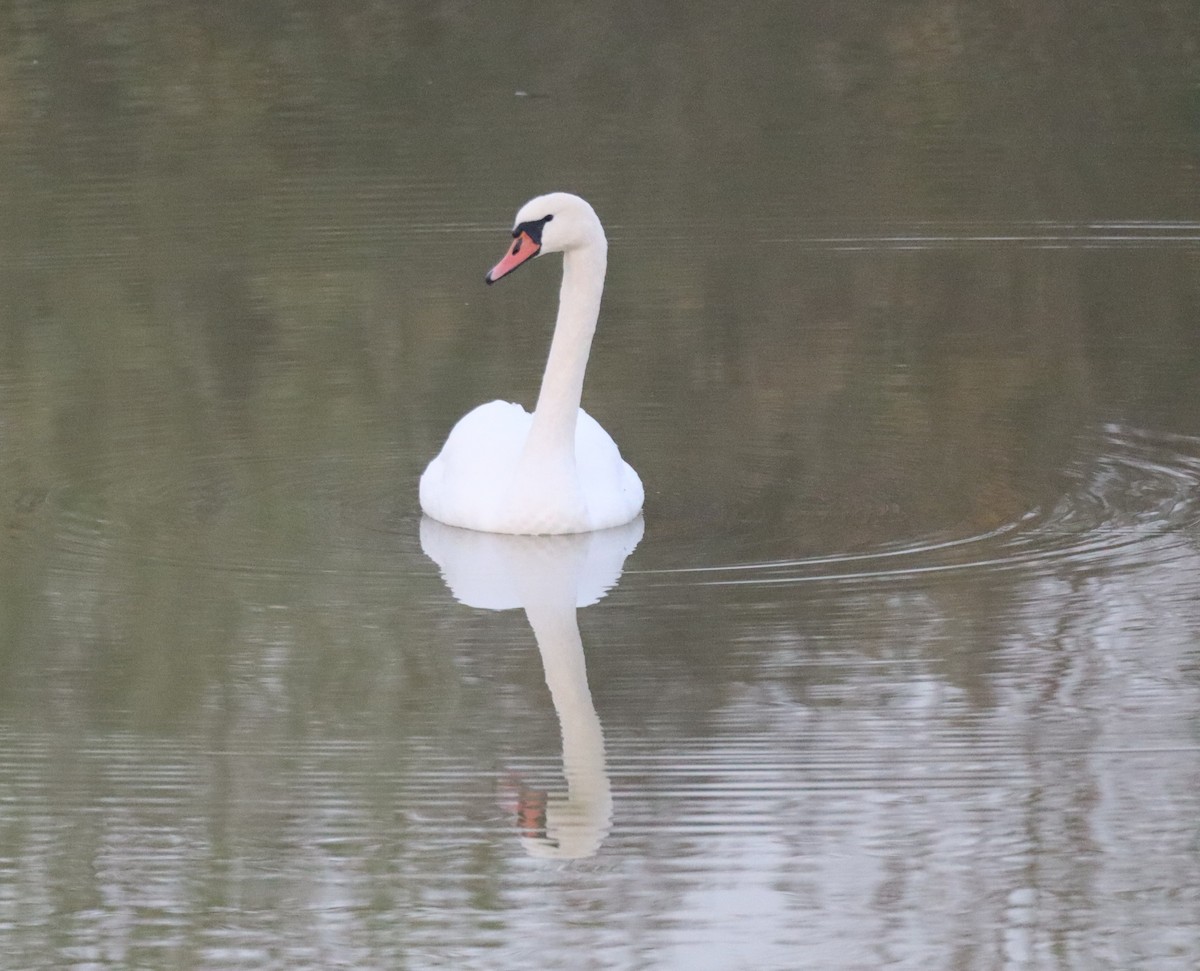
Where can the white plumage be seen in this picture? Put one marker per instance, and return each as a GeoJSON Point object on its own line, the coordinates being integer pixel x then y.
{"type": "Point", "coordinates": [504, 470]}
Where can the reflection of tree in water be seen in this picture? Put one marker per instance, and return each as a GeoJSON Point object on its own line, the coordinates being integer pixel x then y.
{"type": "Point", "coordinates": [317, 174]}
{"type": "Point", "coordinates": [323, 173]}
{"type": "Point", "coordinates": [930, 103]}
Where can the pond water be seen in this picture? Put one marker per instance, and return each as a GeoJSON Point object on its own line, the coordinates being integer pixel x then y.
{"type": "Point", "coordinates": [901, 668]}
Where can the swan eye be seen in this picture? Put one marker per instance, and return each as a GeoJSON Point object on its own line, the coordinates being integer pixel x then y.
{"type": "Point", "coordinates": [533, 229]}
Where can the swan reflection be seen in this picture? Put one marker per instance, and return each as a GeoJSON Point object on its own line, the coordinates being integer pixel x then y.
{"type": "Point", "coordinates": [549, 577]}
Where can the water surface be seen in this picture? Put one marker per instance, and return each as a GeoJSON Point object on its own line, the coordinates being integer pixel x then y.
{"type": "Point", "coordinates": [901, 668]}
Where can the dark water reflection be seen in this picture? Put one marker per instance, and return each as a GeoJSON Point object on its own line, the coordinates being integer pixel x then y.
{"type": "Point", "coordinates": [900, 333]}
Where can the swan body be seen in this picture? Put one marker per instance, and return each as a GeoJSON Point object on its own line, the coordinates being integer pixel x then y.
{"type": "Point", "coordinates": [504, 470]}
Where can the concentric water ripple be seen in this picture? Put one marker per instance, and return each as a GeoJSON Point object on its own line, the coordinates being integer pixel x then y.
{"type": "Point", "coordinates": [1135, 502]}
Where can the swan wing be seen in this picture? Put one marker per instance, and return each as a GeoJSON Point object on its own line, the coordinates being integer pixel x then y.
{"type": "Point", "coordinates": [466, 482]}
{"type": "Point", "coordinates": [611, 488]}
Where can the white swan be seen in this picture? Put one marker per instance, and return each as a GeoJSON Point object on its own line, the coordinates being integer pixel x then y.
{"type": "Point", "coordinates": [503, 470]}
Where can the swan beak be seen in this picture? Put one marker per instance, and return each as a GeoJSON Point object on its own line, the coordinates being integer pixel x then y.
{"type": "Point", "coordinates": [523, 248]}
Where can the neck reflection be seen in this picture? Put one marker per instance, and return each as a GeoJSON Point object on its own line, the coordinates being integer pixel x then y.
{"type": "Point", "coordinates": [549, 577]}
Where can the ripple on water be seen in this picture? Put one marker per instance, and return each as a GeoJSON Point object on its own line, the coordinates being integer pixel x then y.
{"type": "Point", "coordinates": [246, 514]}
{"type": "Point", "coordinates": [1133, 503]}
{"type": "Point", "coordinates": [778, 229]}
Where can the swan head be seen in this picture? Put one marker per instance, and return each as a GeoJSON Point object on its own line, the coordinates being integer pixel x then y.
{"type": "Point", "coordinates": [553, 223]}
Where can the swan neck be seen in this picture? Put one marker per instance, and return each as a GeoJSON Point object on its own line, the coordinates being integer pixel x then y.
{"type": "Point", "coordinates": [557, 409]}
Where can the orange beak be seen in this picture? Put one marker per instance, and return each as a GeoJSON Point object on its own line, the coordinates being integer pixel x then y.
{"type": "Point", "coordinates": [523, 248]}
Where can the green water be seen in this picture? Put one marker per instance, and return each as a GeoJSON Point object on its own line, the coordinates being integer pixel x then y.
{"type": "Point", "coordinates": [900, 330]}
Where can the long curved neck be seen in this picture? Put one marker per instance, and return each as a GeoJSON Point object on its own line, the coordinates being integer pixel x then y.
{"type": "Point", "coordinates": [554, 418]}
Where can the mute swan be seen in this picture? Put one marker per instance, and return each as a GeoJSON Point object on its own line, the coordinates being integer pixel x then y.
{"type": "Point", "coordinates": [503, 470]}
